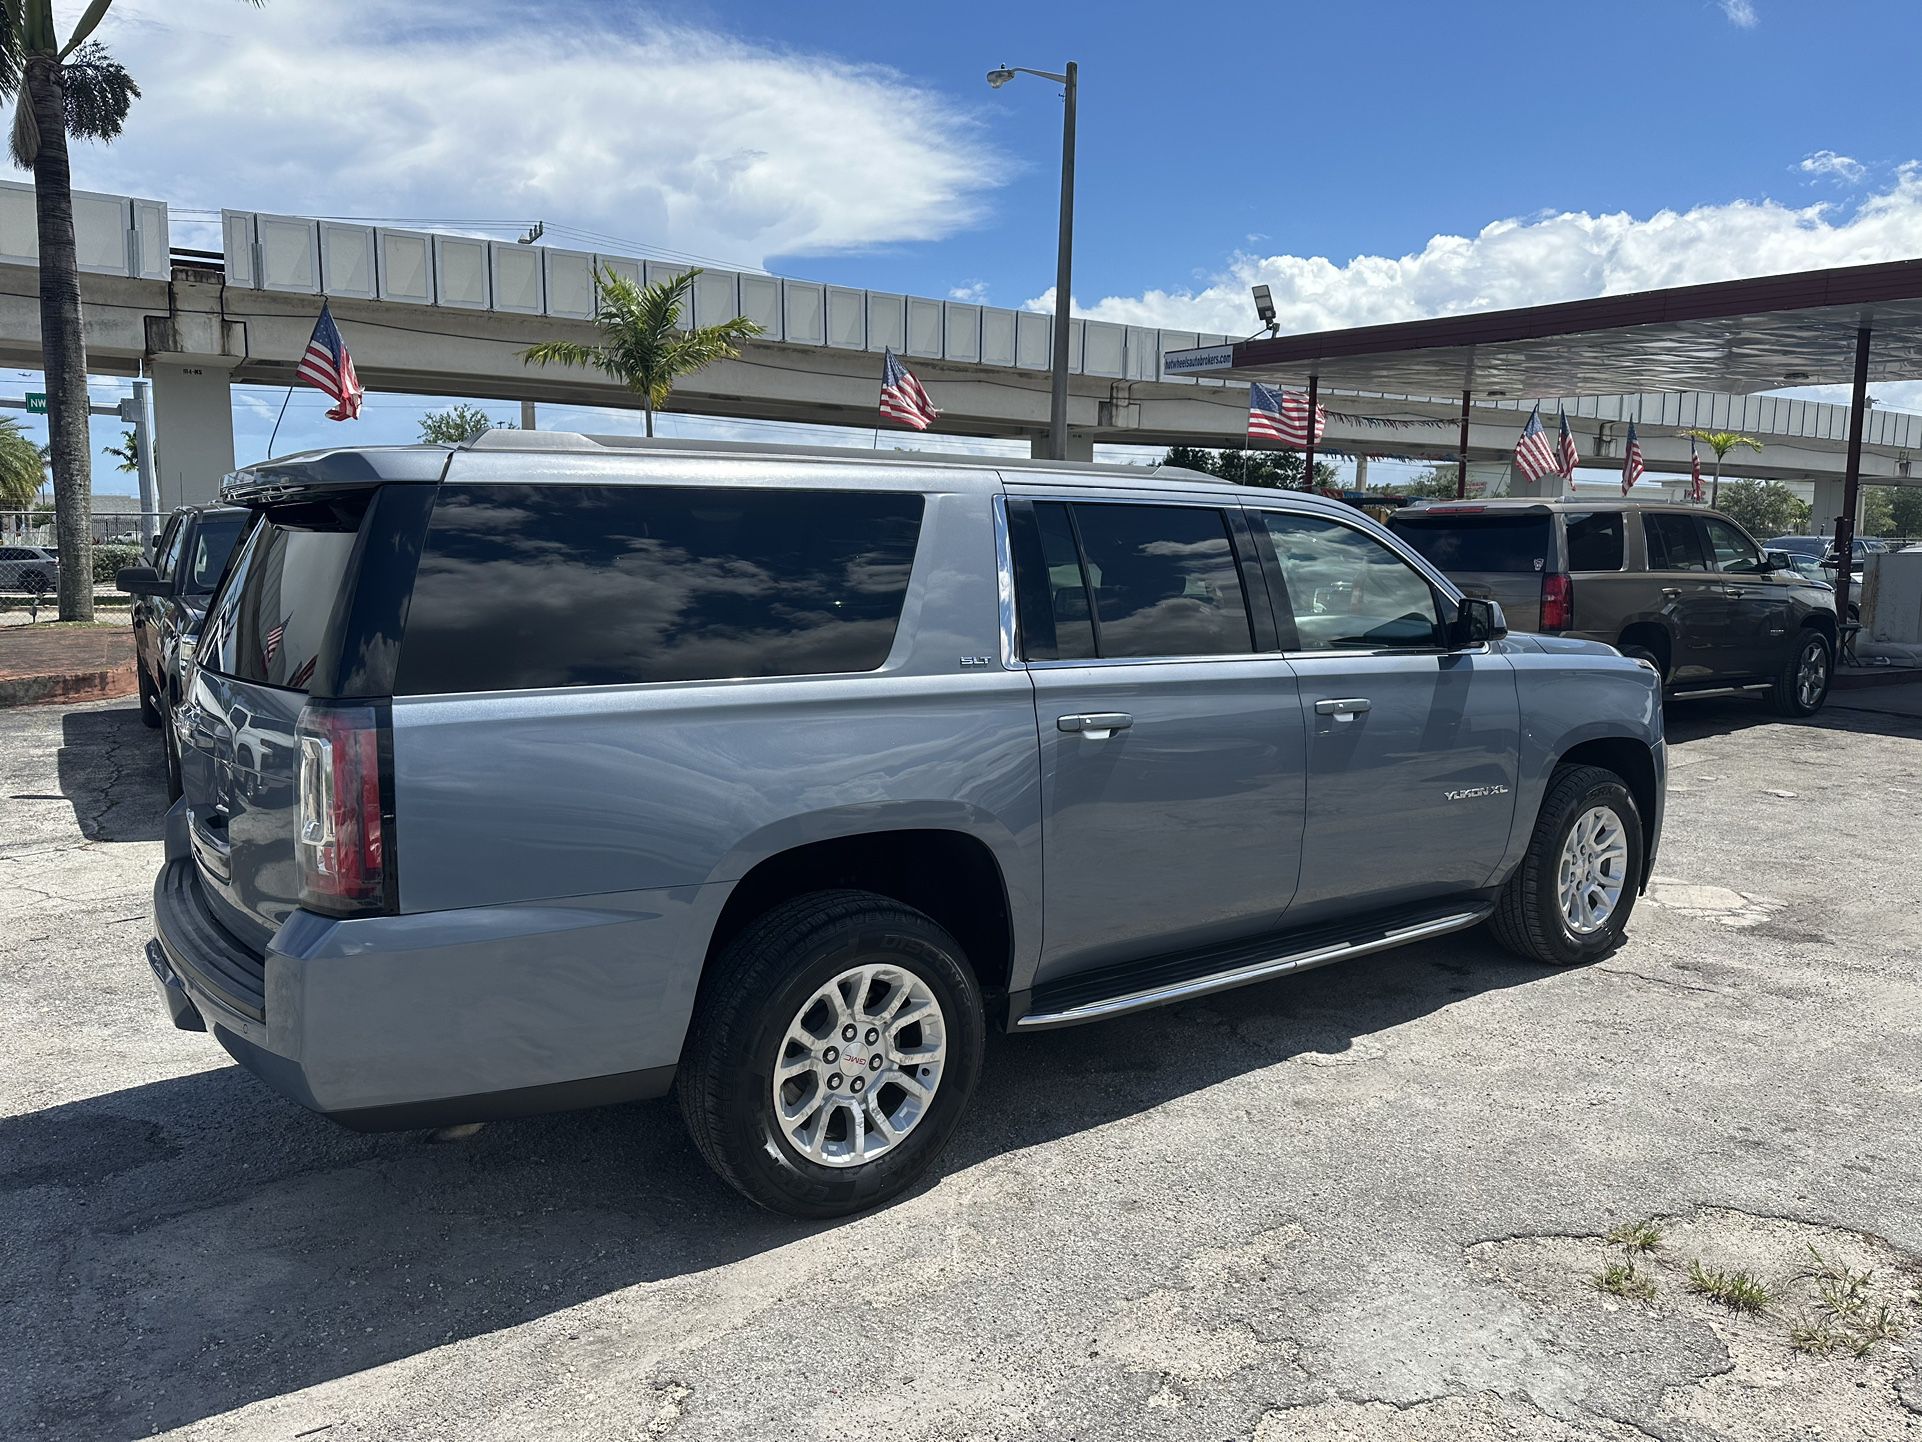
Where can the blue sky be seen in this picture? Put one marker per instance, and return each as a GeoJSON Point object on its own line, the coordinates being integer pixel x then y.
{"type": "Point", "coordinates": [1370, 162]}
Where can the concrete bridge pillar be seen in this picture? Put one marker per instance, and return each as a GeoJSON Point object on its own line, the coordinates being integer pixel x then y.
{"type": "Point", "coordinates": [1080, 447]}
{"type": "Point", "coordinates": [191, 353]}
{"type": "Point", "coordinates": [193, 431]}
{"type": "Point", "coordinates": [1827, 505]}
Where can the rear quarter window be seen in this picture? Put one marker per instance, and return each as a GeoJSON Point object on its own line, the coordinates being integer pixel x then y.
{"type": "Point", "coordinates": [538, 586]}
{"type": "Point", "coordinates": [1479, 543]}
{"type": "Point", "coordinates": [271, 615]}
{"type": "Point", "coordinates": [1594, 541]}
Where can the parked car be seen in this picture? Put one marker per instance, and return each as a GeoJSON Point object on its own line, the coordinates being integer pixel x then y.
{"type": "Point", "coordinates": [170, 602]}
{"type": "Point", "coordinates": [32, 569]}
{"type": "Point", "coordinates": [548, 771]}
{"type": "Point", "coordinates": [1683, 588]}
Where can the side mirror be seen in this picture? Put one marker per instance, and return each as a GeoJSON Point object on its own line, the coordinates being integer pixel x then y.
{"type": "Point", "coordinates": [1477, 621]}
{"type": "Point", "coordinates": [1776, 561]}
{"type": "Point", "coordinates": [141, 581]}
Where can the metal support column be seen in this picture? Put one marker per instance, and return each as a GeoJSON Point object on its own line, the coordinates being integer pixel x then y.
{"type": "Point", "coordinates": [1063, 273]}
{"type": "Point", "coordinates": [143, 450]}
{"type": "Point", "coordinates": [527, 415]}
{"type": "Point", "coordinates": [1461, 458]}
{"type": "Point", "coordinates": [1308, 456]}
{"type": "Point", "coordinates": [1851, 477]}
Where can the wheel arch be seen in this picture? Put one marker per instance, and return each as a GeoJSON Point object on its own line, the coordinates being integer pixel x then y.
{"type": "Point", "coordinates": [1654, 634]}
{"type": "Point", "coordinates": [951, 874]}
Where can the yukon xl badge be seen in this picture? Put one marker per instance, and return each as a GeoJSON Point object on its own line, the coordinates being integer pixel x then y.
{"type": "Point", "coordinates": [1470, 793]}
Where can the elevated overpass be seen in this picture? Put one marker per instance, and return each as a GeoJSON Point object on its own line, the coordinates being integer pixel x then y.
{"type": "Point", "coordinates": [446, 314]}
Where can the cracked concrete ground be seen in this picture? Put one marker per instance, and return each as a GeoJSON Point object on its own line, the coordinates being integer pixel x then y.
{"type": "Point", "coordinates": [1361, 1203]}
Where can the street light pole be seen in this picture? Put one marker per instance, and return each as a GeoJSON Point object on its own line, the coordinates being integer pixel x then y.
{"type": "Point", "coordinates": [1063, 279]}
{"type": "Point", "coordinates": [1063, 270]}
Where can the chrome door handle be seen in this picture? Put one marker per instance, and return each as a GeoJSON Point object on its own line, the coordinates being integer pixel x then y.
{"type": "Point", "coordinates": [1347, 708]}
{"type": "Point", "coordinates": [1674, 593]}
{"type": "Point", "coordinates": [1095, 725]}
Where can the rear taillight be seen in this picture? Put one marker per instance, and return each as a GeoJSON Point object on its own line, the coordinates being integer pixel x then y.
{"type": "Point", "coordinates": [1558, 602]}
{"type": "Point", "coordinates": [343, 839]}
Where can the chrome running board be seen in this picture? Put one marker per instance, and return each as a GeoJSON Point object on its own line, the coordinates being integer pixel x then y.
{"type": "Point", "coordinates": [1243, 975]}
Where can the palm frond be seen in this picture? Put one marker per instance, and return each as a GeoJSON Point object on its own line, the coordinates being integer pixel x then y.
{"type": "Point", "coordinates": [23, 140]}
{"type": "Point", "coordinates": [562, 353]}
{"type": "Point", "coordinates": [99, 93]}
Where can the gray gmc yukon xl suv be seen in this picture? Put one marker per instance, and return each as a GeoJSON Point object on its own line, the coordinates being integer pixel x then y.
{"type": "Point", "coordinates": [549, 771]}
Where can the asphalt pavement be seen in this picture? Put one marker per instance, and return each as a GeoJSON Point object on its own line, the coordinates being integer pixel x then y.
{"type": "Point", "coordinates": [1367, 1202]}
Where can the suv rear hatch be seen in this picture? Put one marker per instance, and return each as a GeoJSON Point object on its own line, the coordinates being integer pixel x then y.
{"type": "Point", "coordinates": [1508, 554]}
{"type": "Point", "coordinates": [294, 671]}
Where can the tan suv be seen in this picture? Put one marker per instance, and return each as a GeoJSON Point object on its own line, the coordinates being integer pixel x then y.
{"type": "Point", "coordinates": [1684, 588]}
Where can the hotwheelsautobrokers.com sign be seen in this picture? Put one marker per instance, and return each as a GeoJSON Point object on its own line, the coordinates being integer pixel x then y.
{"type": "Point", "coordinates": [1208, 358]}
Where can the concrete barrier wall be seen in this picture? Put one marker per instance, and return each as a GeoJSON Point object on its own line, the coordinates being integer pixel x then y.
{"type": "Point", "coordinates": [1892, 598]}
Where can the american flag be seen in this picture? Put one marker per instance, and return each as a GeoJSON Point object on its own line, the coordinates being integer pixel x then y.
{"type": "Point", "coordinates": [1282, 416]}
{"type": "Point", "coordinates": [272, 643]}
{"type": "Point", "coordinates": [902, 398]}
{"type": "Point", "coordinates": [1632, 467]}
{"type": "Point", "coordinates": [1532, 454]}
{"type": "Point", "coordinates": [327, 367]}
{"type": "Point", "coordinates": [1694, 474]}
{"type": "Point", "coordinates": [1565, 460]}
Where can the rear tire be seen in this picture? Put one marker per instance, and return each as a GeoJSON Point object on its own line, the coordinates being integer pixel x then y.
{"type": "Point", "coordinates": [766, 1004]}
{"type": "Point", "coordinates": [1569, 901]}
{"type": "Point", "coordinates": [1803, 683]}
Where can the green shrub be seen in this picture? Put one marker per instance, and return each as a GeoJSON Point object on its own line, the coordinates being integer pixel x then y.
{"type": "Point", "coordinates": [107, 561]}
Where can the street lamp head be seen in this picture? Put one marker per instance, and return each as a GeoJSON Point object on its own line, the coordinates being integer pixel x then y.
{"type": "Point", "coordinates": [998, 78]}
{"type": "Point", "coordinates": [1265, 305]}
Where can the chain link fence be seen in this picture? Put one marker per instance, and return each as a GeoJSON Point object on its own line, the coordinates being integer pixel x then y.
{"type": "Point", "coordinates": [29, 561]}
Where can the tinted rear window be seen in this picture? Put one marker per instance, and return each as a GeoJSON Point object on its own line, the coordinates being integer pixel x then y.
{"type": "Point", "coordinates": [272, 614]}
{"type": "Point", "coordinates": [1595, 541]}
{"type": "Point", "coordinates": [1463, 544]}
{"type": "Point", "coordinates": [523, 587]}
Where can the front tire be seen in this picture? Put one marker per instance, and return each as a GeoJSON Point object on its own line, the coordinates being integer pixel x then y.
{"type": "Point", "coordinates": [1569, 901]}
{"type": "Point", "coordinates": [1803, 683]}
{"type": "Point", "coordinates": [792, 1112]}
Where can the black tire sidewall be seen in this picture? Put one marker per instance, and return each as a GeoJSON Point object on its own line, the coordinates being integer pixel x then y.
{"type": "Point", "coordinates": [1570, 949]}
{"type": "Point", "coordinates": [772, 1171]}
{"type": "Point", "coordinates": [1788, 698]}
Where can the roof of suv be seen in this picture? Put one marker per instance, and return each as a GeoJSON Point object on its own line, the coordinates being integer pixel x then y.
{"type": "Point", "coordinates": [1547, 504]}
{"type": "Point", "coordinates": [363, 465]}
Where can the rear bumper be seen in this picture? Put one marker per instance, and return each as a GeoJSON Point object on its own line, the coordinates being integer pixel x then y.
{"type": "Point", "coordinates": [392, 1022]}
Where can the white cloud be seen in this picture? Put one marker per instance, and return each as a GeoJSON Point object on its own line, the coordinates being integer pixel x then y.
{"type": "Point", "coordinates": [680, 138]}
{"type": "Point", "coordinates": [975, 291]}
{"type": "Point", "coordinates": [1740, 13]}
{"type": "Point", "coordinates": [1841, 168]}
{"type": "Point", "coordinates": [1527, 261]}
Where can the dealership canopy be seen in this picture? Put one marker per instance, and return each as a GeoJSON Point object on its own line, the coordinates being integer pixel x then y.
{"type": "Point", "coordinates": [1846, 325]}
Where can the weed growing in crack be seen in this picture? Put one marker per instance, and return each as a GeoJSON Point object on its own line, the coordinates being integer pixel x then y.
{"type": "Point", "coordinates": [1634, 1237]}
{"type": "Point", "coordinates": [1620, 1279]}
{"type": "Point", "coordinates": [1841, 1319]}
{"type": "Point", "coordinates": [1739, 1290]}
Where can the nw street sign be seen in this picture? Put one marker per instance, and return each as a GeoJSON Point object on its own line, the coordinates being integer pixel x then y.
{"type": "Point", "coordinates": [36, 403]}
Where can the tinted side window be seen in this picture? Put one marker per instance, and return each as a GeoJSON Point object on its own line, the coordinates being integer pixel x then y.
{"type": "Point", "coordinates": [169, 554]}
{"type": "Point", "coordinates": [1595, 541]}
{"type": "Point", "coordinates": [273, 612]}
{"type": "Point", "coordinates": [1057, 623]}
{"type": "Point", "coordinates": [1673, 542]}
{"type": "Point", "coordinates": [523, 587]}
{"type": "Point", "coordinates": [1731, 549]}
{"type": "Point", "coordinates": [213, 544]}
{"type": "Point", "coordinates": [1347, 589]}
{"type": "Point", "coordinates": [1165, 581]}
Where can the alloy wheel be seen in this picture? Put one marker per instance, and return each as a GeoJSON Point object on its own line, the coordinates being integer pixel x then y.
{"type": "Point", "coordinates": [1593, 870]}
{"type": "Point", "coordinates": [859, 1065]}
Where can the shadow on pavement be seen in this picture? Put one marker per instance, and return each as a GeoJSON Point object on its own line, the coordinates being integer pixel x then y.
{"type": "Point", "coordinates": [1860, 709]}
{"type": "Point", "coordinates": [114, 772]}
{"type": "Point", "coordinates": [183, 1248]}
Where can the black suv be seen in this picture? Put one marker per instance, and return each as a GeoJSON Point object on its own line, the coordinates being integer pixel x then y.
{"type": "Point", "coordinates": [170, 602]}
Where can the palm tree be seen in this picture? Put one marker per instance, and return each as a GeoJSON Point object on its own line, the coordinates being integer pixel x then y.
{"type": "Point", "coordinates": [642, 344]}
{"type": "Point", "coordinates": [21, 469]}
{"type": "Point", "coordinates": [62, 88]}
{"type": "Point", "coordinates": [1721, 442]}
{"type": "Point", "coordinates": [127, 452]}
